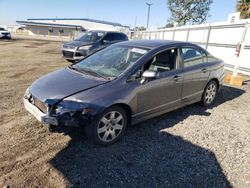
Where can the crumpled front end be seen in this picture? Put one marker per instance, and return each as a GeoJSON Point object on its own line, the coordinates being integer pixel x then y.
{"type": "Point", "coordinates": [72, 113]}
{"type": "Point", "coordinates": [59, 113]}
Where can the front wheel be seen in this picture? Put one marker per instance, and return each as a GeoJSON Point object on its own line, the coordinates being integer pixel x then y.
{"type": "Point", "coordinates": [209, 93]}
{"type": "Point", "coordinates": [108, 127]}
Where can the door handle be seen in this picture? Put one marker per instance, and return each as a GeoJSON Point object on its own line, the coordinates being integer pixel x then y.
{"type": "Point", "coordinates": [204, 70]}
{"type": "Point", "coordinates": [176, 77]}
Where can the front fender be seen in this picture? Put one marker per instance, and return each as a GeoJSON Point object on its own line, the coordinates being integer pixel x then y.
{"type": "Point", "coordinates": [102, 97]}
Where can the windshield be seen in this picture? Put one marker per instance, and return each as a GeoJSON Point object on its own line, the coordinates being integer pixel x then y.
{"type": "Point", "coordinates": [111, 61]}
{"type": "Point", "coordinates": [91, 36]}
{"type": "Point", "coordinates": [2, 29]}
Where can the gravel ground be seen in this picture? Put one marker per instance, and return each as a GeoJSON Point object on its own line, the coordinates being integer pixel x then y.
{"type": "Point", "coordinates": [190, 147]}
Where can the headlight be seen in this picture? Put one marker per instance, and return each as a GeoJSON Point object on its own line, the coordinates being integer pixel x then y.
{"type": "Point", "coordinates": [62, 110]}
{"type": "Point", "coordinates": [85, 47]}
{"type": "Point", "coordinates": [71, 107]}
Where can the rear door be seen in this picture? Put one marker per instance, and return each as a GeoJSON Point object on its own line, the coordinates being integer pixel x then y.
{"type": "Point", "coordinates": [195, 73]}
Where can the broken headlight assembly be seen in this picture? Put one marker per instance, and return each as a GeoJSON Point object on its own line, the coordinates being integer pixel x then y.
{"type": "Point", "coordinates": [71, 108]}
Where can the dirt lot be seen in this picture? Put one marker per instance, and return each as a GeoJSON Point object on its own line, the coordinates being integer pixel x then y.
{"type": "Point", "coordinates": [190, 147]}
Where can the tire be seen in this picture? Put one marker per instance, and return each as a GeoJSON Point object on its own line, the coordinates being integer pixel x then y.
{"type": "Point", "coordinates": [108, 127]}
{"type": "Point", "coordinates": [209, 93]}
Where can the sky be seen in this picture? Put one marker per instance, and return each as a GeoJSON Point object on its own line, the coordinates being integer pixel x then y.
{"type": "Point", "coordinates": [126, 12]}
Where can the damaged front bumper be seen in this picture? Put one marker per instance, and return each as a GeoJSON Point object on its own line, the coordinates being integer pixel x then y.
{"type": "Point", "coordinates": [39, 115]}
{"type": "Point", "coordinates": [67, 119]}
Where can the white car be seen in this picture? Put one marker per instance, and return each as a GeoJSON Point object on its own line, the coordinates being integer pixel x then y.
{"type": "Point", "coordinates": [4, 34]}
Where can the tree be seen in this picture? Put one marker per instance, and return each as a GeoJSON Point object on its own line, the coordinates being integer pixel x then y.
{"type": "Point", "coordinates": [188, 11]}
{"type": "Point", "coordinates": [243, 7]}
{"type": "Point", "coordinates": [169, 25]}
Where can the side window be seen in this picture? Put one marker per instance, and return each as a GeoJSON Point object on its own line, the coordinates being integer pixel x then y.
{"type": "Point", "coordinates": [51, 30]}
{"type": "Point", "coordinates": [164, 61]}
{"type": "Point", "coordinates": [124, 37]}
{"type": "Point", "coordinates": [108, 37]}
{"type": "Point", "coordinates": [61, 31]}
{"type": "Point", "coordinates": [117, 37]}
{"type": "Point", "coordinates": [192, 56]}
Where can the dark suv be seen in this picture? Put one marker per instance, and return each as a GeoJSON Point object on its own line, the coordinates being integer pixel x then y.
{"type": "Point", "coordinates": [90, 42]}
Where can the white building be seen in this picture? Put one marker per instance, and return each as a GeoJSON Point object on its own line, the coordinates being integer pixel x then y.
{"type": "Point", "coordinates": [68, 26]}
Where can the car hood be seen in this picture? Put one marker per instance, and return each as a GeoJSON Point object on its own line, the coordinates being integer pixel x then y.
{"type": "Point", "coordinates": [76, 43]}
{"type": "Point", "coordinates": [62, 83]}
{"type": "Point", "coordinates": [5, 31]}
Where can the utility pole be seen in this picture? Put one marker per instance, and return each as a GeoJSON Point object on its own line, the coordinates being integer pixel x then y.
{"type": "Point", "coordinates": [149, 5]}
{"type": "Point", "coordinates": [135, 22]}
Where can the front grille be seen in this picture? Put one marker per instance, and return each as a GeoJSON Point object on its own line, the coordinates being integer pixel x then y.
{"type": "Point", "coordinates": [39, 104]}
{"type": "Point", "coordinates": [79, 54]}
{"type": "Point", "coordinates": [68, 54]}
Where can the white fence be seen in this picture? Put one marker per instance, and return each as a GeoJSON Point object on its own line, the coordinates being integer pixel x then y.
{"type": "Point", "coordinates": [219, 39]}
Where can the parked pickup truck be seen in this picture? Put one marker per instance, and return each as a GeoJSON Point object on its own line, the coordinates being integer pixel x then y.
{"type": "Point", "coordinates": [4, 34]}
{"type": "Point", "coordinates": [90, 42]}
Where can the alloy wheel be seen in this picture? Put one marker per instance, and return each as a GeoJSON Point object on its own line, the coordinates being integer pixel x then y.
{"type": "Point", "coordinates": [110, 126]}
{"type": "Point", "coordinates": [210, 93]}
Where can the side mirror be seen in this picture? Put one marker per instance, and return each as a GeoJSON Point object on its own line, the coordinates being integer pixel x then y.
{"type": "Point", "coordinates": [148, 74]}
{"type": "Point", "coordinates": [106, 42]}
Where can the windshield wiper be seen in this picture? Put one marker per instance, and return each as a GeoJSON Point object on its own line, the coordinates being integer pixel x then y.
{"type": "Point", "coordinates": [92, 72]}
{"type": "Point", "coordinates": [88, 71]}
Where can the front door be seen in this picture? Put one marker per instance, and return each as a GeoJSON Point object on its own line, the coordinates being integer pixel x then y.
{"type": "Point", "coordinates": [164, 92]}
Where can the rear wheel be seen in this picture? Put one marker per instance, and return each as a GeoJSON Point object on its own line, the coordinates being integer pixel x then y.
{"type": "Point", "coordinates": [108, 127]}
{"type": "Point", "coordinates": [209, 93]}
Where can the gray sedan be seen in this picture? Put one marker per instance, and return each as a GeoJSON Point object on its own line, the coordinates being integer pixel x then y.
{"type": "Point", "coordinates": [125, 83]}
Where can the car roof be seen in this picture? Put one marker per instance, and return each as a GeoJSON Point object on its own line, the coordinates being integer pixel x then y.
{"type": "Point", "coordinates": [106, 31]}
{"type": "Point", "coordinates": [115, 32]}
{"type": "Point", "coordinates": [96, 31]}
{"type": "Point", "coordinates": [152, 44]}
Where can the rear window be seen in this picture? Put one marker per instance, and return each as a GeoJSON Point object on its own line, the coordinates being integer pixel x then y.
{"type": "Point", "coordinates": [2, 29]}
{"type": "Point", "coordinates": [124, 37]}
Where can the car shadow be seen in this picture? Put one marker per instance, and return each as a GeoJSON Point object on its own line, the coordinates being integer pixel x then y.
{"type": "Point", "coordinates": [145, 157]}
